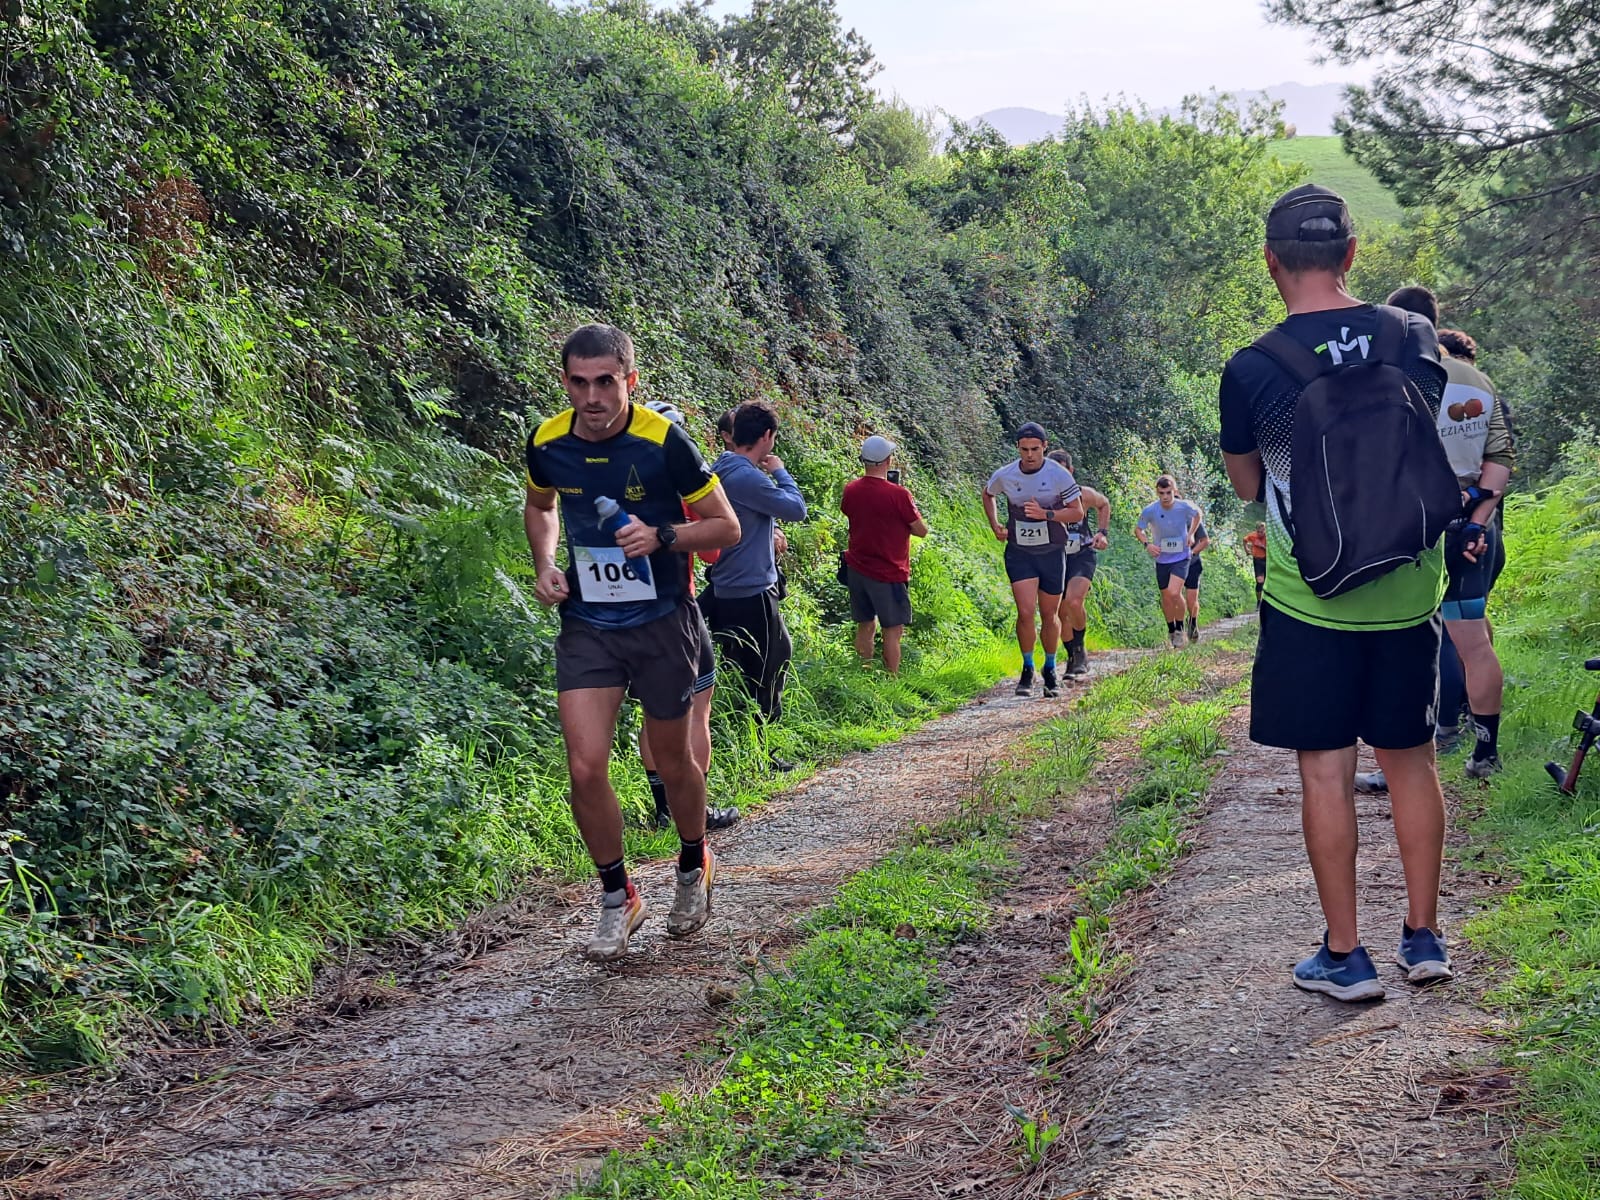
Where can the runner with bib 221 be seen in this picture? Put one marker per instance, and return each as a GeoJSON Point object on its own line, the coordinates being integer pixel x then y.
{"type": "Point", "coordinates": [1042, 501]}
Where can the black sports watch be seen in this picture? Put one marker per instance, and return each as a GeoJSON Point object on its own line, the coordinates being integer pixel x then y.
{"type": "Point", "coordinates": [667, 535]}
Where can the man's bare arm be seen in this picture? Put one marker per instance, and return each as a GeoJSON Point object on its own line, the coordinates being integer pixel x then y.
{"type": "Point", "coordinates": [1245, 473]}
{"type": "Point", "coordinates": [1102, 507]}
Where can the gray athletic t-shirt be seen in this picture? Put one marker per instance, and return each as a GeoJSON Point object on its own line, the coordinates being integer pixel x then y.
{"type": "Point", "coordinates": [1169, 528]}
{"type": "Point", "coordinates": [1051, 487]}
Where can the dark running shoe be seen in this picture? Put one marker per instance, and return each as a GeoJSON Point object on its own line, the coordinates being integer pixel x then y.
{"type": "Point", "coordinates": [1423, 956]}
{"type": "Point", "coordinates": [1193, 628]}
{"type": "Point", "coordinates": [1352, 978]}
{"type": "Point", "coordinates": [1025, 683]}
{"type": "Point", "coordinates": [1050, 686]}
{"type": "Point", "coordinates": [721, 816]}
{"type": "Point", "coordinates": [664, 818]}
{"type": "Point", "coordinates": [1077, 661]}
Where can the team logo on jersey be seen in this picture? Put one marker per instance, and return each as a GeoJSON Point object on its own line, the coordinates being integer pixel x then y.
{"type": "Point", "coordinates": [1466, 412]}
{"type": "Point", "coordinates": [635, 489]}
{"type": "Point", "coordinates": [1338, 349]}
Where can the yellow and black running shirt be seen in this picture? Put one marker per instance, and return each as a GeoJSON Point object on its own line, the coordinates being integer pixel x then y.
{"type": "Point", "coordinates": [652, 468]}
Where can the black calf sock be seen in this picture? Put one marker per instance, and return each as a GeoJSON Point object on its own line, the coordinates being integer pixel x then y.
{"type": "Point", "coordinates": [1174, 626]}
{"type": "Point", "coordinates": [613, 876]}
{"type": "Point", "coordinates": [1488, 731]}
{"type": "Point", "coordinates": [658, 790]}
{"type": "Point", "coordinates": [691, 855]}
{"type": "Point", "coordinates": [1077, 638]}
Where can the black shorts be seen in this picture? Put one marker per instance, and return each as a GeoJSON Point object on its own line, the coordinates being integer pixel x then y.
{"type": "Point", "coordinates": [1322, 689]}
{"type": "Point", "coordinates": [1197, 566]}
{"type": "Point", "coordinates": [1260, 565]}
{"type": "Point", "coordinates": [1082, 564]}
{"type": "Point", "coordinates": [1466, 593]}
{"type": "Point", "coordinates": [1165, 572]}
{"type": "Point", "coordinates": [872, 599]}
{"type": "Point", "coordinates": [1049, 568]}
{"type": "Point", "coordinates": [658, 662]}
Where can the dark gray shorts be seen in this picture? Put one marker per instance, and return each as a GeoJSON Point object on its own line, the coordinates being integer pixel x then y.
{"type": "Point", "coordinates": [1082, 564]}
{"type": "Point", "coordinates": [889, 603]}
{"type": "Point", "coordinates": [658, 662]}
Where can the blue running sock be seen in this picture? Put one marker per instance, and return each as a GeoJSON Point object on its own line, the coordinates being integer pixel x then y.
{"type": "Point", "coordinates": [1049, 662]}
{"type": "Point", "coordinates": [1027, 660]}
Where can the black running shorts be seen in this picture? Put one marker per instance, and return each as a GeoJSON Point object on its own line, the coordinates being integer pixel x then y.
{"type": "Point", "coordinates": [1165, 572]}
{"type": "Point", "coordinates": [657, 662]}
{"type": "Point", "coordinates": [1082, 564]}
{"type": "Point", "coordinates": [1049, 568]}
{"type": "Point", "coordinates": [1191, 581]}
{"type": "Point", "coordinates": [1323, 689]}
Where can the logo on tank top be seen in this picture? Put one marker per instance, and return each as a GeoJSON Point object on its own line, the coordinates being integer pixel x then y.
{"type": "Point", "coordinates": [635, 488]}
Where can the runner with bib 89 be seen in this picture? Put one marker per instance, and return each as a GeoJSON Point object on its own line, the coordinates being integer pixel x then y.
{"type": "Point", "coordinates": [1332, 419]}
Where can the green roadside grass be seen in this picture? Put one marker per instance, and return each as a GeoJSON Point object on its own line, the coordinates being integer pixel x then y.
{"type": "Point", "coordinates": [1544, 933]}
{"type": "Point", "coordinates": [813, 1046]}
{"type": "Point", "coordinates": [1330, 165]}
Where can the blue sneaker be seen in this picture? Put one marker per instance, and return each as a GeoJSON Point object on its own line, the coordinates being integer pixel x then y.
{"type": "Point", "coordinates": [1352, 978]}
{"type": "Point", "coordinates": [1423, 956]}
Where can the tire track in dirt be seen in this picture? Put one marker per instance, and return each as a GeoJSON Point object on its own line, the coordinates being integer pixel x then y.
{"type": "Point", "coordinates": [1213, 1077]}
{"type": "Point", "coordinates": [469, 1090]}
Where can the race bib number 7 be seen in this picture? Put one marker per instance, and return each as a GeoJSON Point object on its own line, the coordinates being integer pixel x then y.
{"type": "Point", "coordinates": [1032, 533]}
{"type": "Point", "coordinates": [605, 576]}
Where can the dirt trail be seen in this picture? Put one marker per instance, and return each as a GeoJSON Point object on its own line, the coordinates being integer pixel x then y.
{"type": "Point", "coordinates": [1214, 1078]}
{"type": "Point", "coordinates": [470, 1089]}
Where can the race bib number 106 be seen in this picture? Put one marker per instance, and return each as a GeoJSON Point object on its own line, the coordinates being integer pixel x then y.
{"type": "Point", "coordinates": [605, 576]}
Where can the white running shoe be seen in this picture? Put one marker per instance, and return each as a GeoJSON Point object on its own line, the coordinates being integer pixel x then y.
{"type": "Point", "coordinates": [691, 903]}
{"type": "Point", "coordinates": [616, 925]}
{"type": "Point", "coordinates": [1177, 639]}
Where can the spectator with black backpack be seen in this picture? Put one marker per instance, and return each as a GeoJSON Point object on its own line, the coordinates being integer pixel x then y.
{"type": "Point", "coordinates": [1331, 418]}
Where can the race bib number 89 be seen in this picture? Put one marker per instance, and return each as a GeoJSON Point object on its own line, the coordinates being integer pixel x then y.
{"type": "Point", "coordinates": [1173, 545]}
{"type": "Point", "coordinates": [1033, 533]}
{"type": "Point", "coordinates": [605, 576]}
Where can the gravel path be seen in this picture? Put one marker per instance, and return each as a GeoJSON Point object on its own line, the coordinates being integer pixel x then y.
{"type": "Point", "coordinates": [475, 1084]}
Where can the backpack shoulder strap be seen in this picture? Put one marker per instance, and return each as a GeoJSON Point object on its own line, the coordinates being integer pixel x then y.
{"type": "Point", "coordinates": [1289, 354]}
{"type": "Point", "coordinates": [1391, 336]}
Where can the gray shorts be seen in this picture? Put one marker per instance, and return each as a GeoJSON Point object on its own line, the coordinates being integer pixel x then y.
{"type": "Point", "coordinates": [658, 662]}
{"type": "Point", "coordinates": [888, 603]}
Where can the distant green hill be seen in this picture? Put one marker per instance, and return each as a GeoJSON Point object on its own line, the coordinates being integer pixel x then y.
{"type": "Point", "coordinates": [1332, 167]}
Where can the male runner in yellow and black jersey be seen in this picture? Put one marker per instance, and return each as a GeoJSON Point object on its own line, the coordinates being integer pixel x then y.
{"type": "Point", "coordinates": [622, 628]}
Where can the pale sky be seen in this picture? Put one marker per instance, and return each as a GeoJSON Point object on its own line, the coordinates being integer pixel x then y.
{"type": "Point", "coordinates": [972, 56]}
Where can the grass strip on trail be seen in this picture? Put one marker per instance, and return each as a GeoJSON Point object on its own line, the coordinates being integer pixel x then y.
{"type": "Point", "coordinates": [814, 1045]}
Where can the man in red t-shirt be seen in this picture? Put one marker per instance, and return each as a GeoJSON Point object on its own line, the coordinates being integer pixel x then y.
{"type": "Point", "coordinates": [883, 518]}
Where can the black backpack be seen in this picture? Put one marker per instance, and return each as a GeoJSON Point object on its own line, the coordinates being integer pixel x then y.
{"type": "Point", "coordinates": [1371, 487]}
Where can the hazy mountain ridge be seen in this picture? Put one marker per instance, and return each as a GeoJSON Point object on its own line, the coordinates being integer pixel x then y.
{"type": "Point", "coordinates": [1310, 108]}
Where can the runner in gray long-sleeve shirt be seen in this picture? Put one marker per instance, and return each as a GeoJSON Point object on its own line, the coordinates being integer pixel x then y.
{"type": "Point", "coordinates": [743, 597]}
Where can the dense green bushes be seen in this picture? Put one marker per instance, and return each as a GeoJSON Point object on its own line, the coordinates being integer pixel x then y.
{"type": "Point", "coordinates": [1546, 614]}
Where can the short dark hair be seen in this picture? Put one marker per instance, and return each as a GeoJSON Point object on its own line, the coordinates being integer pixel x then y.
{"type": "Point", "coordinates": [1166, 481]}
{"type": "Point", "coordinates": [1297, 257]}
{"type": "Point", "coordinates": [751, 421]}
{"type": "Point", "coordinates": [598, 341]}
{"type": "Point", "coordinates": [725, 423]}
{"type": "Point", "coordinates": [1031, 429]}
{"type": "Point", "coordinates": [1460, 345]}
{"type": "Point", "coordinates": [1062, 457]}
{"type": "Point", "coordinates": [1417, 300]}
